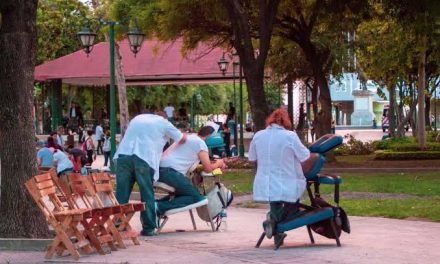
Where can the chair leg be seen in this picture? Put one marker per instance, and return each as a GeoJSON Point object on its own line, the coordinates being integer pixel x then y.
{"type": "Point", "coordinates": [332, 223]}
{"type": "Point", "coordinates": [260, 240]}
{"type": "Point", "coordinates": [192, 219]}
{"type": "Point", "coordinates": [165, 219]}
{"type": "Point", "coordinates": [309, 230]}
{"type": "Point", "coordinates": [115, 233]}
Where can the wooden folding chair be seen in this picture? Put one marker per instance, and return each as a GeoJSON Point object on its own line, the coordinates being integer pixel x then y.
{"type": "Point", "coordinates": [103, 185]}
{"type": "Point", "coordinates": [64, 221]}
{"type": "Point", "coordinates": [100, 220]}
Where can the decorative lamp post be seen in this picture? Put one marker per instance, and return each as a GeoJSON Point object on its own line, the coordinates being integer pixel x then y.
{"type": "Point", "coordinates": [87, 38]}
{"type": "Point", "coordinates": [135, 38]}
{"type": "Point", "coordinates": [223, 64]}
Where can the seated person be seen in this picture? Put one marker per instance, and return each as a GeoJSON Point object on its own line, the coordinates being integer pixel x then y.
{"type": "Point", "coordinates": [281, 159]}
{"type": "Point", "coordinates": [175, 163]}
{"type": "Point", "coordinates": [63, 164]}
{"type": "Point", "coordinates": [44, 156]}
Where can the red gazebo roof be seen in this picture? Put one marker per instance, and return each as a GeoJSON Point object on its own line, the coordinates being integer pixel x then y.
{"type": "Point", "coordinates": [156, 63]}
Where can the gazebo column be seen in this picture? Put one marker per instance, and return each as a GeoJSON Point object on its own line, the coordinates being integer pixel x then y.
{"type": "Point", "coordinates": [55, 93]}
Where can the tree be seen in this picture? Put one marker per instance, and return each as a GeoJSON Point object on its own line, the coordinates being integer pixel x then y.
{"type": "Point", "coordinates": [19, 215]}
{"type": "Point", "coordinates": [245, 25]}
{"type": "Point", "coordinates": [320, 28]}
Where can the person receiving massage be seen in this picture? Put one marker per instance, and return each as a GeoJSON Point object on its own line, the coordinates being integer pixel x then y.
{"type": "Point", "coordinates": [175, 163]}
{"type": "Point", "coordinates": [281, 161]}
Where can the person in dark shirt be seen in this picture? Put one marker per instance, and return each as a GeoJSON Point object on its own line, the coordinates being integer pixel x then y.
{"type": "Point", "coordinates": [78, 157]}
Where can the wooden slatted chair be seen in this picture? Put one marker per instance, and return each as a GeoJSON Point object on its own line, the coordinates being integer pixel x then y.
{"type": "Point", "coordinates": [102, 183]}
{"type": "Point", "coordinates": [64, 221]}
{"type": "Point", "coordinates": [100, 219]}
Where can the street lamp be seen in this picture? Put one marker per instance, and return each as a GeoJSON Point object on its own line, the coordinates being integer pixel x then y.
{"type": "Point", "coordinates": [223, 64]}
{"type": "Point", "coordinates": [87, 38]}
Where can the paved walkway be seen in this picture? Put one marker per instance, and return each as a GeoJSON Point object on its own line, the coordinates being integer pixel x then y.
{"type": "Point", "coordinates": [373, 240]}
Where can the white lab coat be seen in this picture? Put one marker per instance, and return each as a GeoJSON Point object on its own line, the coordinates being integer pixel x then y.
{"type": "Point", "coordinates": [279, 154]}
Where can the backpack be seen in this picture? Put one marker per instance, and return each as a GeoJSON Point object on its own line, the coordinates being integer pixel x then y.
{"type": "Point", "coordinates": [219, 198]}
{"type": "Point", "coordinates": [106, 146]}
{"type": "Point", "coordinates": [324, 227]}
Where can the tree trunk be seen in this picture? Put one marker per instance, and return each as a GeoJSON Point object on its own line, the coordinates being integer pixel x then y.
{"type": "Point", "coordinates": [19, 215]}
{"type": "Point", "coordinates": [290, 99]}
{"type": "Point", "coordinates": [391, 110]}
{"type": "Point", "coordinates": [421, 133]}
{"type": "Point", "coordinates": [257, 97]}
{"type": "Point", "coordinates": [122, 91]}
{"type": "Point", "coordinates": [325, 113]}
{"type": "Point", "coordinates": [428, 111]}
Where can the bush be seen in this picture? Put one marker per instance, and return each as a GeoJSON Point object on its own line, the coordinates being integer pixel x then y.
{"type": "Point", "coordinates": [408, 155]}
{"type": "Point", "coordinates": [355, 147]}
{"type": "Point", "coordinates": [430, 146]}
{"type": "Point", "coordinates": [431, 136]}
{"type": "Point", "coordinates": [390, 142]}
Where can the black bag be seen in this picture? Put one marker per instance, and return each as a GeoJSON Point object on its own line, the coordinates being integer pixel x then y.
{"type": "Point", "coordinates": [324, 227]}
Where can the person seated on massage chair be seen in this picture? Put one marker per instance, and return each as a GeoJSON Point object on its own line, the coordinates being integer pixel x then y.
{"type": "Point", "coordinates": [281, 162]}
{"type": "Point", "coordinates": [175, 163]}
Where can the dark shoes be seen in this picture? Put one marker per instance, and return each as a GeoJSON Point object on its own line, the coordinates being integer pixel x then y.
{"type": "Point", "coordinates": [269, 227]}
{"type": "Point", "coordinates": [147, 233]}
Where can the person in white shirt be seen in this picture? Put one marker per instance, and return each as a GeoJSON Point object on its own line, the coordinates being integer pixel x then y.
{"type": "Point", "coordinates": [137, 160]}
{"type": "Point", "coordinates": [281, 159]}
{"type": "Point", "coordinates": [64, 165]}
{"type": "Point", "coordinates": [169, 110]}
{"type": "Point", "coordinates": [99, 132]}
{"type": "Point", "coordinates": [175, 163]}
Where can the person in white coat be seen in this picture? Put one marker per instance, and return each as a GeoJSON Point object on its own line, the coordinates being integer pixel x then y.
{"type": "Point", "coordinates": [281, 159]}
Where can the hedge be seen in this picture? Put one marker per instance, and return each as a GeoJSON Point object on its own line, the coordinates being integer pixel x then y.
{"type": "Point", "coordinates": [413, 147]}
{"type": "Point", "coordinates": [408, 155]}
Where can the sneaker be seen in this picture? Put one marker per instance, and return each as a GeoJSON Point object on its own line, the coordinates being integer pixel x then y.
{"type": "Point", "coordinates": [147, 233]}
{"type": "Point", "coordinates": [269, 227]}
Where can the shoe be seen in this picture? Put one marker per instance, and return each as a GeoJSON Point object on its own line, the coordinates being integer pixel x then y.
{"type": "Point", "coordinates": [269, 227]}
{"type": "Point", "coordinates": [278, 239]}
{"type": "Point", "coordinates": [157, 215]}
{"type": "Point", "coordinates": [147, 233]}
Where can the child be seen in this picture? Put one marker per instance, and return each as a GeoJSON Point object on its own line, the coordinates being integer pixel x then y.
{"type": "Point", "coordinates": [106, 148]}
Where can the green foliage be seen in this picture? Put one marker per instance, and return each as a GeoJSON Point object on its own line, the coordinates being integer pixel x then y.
{"type": "Point", "coordinates": [214, 98]}
{"type": "Point", "coordinates": [390, 142]}
{"type": "Point", "coordinates": [408, 155]}
{"type": "Point", "coordinates": [355, 147]}
{"type": "Point", "coordinates": [414, 147]}
{"type": "Point", "coordinates": [58, 22]}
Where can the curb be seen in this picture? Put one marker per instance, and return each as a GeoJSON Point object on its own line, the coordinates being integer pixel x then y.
{"type": "Point", "coordinates": [24, 244]}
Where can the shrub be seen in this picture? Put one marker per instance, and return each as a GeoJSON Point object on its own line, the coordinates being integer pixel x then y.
{"type": "Point", "coordinates": [430, 146]}
{"type": "Point", "coordinates": [355, 147]}
{"type": "Point", "coordinates": [388, 143]}
{"type": "Point", "coordinates": [408, 155]}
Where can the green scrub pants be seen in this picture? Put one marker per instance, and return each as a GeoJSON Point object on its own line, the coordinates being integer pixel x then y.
{"type": "Point", "coordinates": [185, 193]}
{"type": "Point", "coordinates": [131, 169]}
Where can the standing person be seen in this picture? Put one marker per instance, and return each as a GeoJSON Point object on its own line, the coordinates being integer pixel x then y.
{"type": "Point", "coordinates": [44, 156]}
{"type": "Point", "coordinates": [99, 138]}
{"type": "Point", "coordinates": [80, 134]}
{"type": "Point", "coordinates": [281, 159]}
{"type": "Point", "coordinates": [60, 133]}
{"type": "Point", "coordinates": [106, 147]}
{"type": "Point", "coordinates": [227, 139]}
{"type": "Point", "coordinates": [182, 112]}
{"type": "Point", "coordinates": [176, 162]}
{"type": "Point", "coordinates": [231, 111]}
{"type": "Point", "coordinates": [169, 110]}
{"type": "Point", "coordinates": [90, 148]}
{"type": "Point", "coordinates": [138, 158]}
{"type": "Point", "coordinates": [333, 126]}
{"type": "Point", "coordinates": [51, 141]}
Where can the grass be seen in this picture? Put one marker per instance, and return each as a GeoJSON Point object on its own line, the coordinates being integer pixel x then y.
{"type": "Point", "coordinates": [424, 185]}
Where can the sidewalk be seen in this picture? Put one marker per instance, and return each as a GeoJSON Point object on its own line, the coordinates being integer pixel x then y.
{"type": "Point", "coordinates": [373, 240]}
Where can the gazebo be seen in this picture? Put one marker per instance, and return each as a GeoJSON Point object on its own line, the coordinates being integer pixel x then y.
{"type": "Point", "coordinates": [156, 63]}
